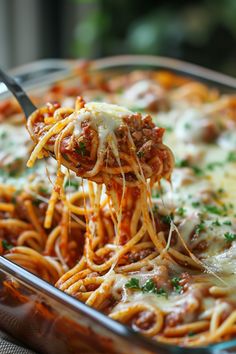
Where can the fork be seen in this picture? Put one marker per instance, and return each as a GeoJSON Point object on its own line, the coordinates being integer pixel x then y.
{"type": "Point", "coordinates": [23, 99]}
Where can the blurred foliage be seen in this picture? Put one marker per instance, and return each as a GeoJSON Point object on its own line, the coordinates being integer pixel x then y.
{"type": "Point", "coordinates": [202, 31]}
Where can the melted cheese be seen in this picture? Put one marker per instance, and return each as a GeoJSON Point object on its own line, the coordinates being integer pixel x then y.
{"type": "Point", "coordinates": [141, 94]}
{"type": "Point", "coordinates": [187, 190]}
{"type": "Point", "coordinates": [104, 118]}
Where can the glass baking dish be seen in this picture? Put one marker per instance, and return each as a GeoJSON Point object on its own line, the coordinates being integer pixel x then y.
{"type": "Point", "coordinates": [47, 319]}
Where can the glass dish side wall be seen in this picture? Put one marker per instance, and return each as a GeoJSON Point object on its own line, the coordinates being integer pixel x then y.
{"type": "Point", "coordinates": [49, 326]}
{"type": "Point", "coordinates": [23, 317]}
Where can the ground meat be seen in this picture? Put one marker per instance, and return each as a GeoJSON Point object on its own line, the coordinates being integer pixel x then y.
{"type": "Point", "coordinates": [161, 278]}
{"type": "Point", "coordinates": [200, 246]}
{"type": "Point", "coordinates": [137, 256]}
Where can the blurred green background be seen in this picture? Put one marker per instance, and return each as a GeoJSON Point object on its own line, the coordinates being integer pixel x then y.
{"type": "Point", "coordinates": [202, 31]}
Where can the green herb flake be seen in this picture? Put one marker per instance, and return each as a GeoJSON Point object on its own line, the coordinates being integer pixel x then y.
{"type": "Point", "coordinates": [166, 219]}
{"type": "Point", "coordinates": [184, 163]}
{"type": "Point", "coordinates": [230, 236]}
{"type": "Point", "coordinates": [140, 154]}
{"type": "Point", "coordinates": [216, 223]}
{"type": "Point", "coordinates": [81, 149]}
{"type": "Point", "coordinates": [155, 209]}
{"type": "Point", "coordinates": [168, 129]}
{"type": "Point", "coordinates": [157, 195]}
{"type": "Point", "coordinates": [65, 157]}
{"type": "Point", "coordinates": [181, 211]}
{"type": "Point", "coordinates": [187, 125]}
{"type": "Point", "coordinates": [181, 163]}
{"type": "Point", "coordinates": [220, 190]}
{"type": "Point", "coordinates": [3, 135]}
{"type": "Point", "coordinates": [138, 109]}
{"type": "Point", "coordinates": [212, 165]}
{"type": "Point", "coordinates": [231, 156]}
{"type": "Point", "coordinates": [161, 292]}
{"type": "Point", "coordinates": [150, 287]}
{"type": "Point", "coordinates": [36, 202]}
{"type": "Point", "coordinates": [72, 184]}
{"type": "Point", "coordinates": [43, 190]}
{"type": "Point", "coordinates": [176, 284]}
{"type": "Point", "coordinates": [213, 209]}
{"type": "Point", "coordinates": [6, 245]}
{"type": "Point", "coordinates": [196, 204]}
{"type": "Point", "coordinates": [200, 227]}
{"type": "Point", "coordinates": [197, 170]}
{"type": "Point", "coordinates": [133, 283]}
{"type": "Point", "coordinates": [227, 222]}
{"type": "Point", "coordinates": [13, 173]}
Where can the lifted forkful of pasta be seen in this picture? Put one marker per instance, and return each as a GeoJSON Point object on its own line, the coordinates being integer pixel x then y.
{"type": "Point", "coordinates": [107, 144]}
{"type": "Point", "coordinates": [101, 142]}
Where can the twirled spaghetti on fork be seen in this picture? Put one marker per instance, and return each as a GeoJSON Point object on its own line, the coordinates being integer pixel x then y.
{"type": "Point", "coordinates": [99, 141]}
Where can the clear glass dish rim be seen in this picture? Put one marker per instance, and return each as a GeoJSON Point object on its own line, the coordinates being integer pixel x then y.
{"type": "Point", "coordinates": [114, 62]}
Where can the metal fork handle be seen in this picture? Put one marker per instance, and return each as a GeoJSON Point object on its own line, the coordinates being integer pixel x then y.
{"type": "Point", "coordinates": [24, 101]}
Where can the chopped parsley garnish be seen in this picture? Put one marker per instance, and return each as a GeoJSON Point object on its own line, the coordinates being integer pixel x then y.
{"type": "Point", "coordinates": [181, 211]}
{"type": "Point", "coordinates": [231, 156]}
{"type": "Point", "coordinates": [81, 149]}
{"type": "Point", "coordinates": [43, 190]}
{"type": "Point", "coordinates": [13, 173]}
{"type": "Point", "coordinates": [65, 157]}
{"type": "Point", "coordinates": [212, 165]}
{"type": "Point", "coordinates": [3, 135]}
{"type": "Point", "coordinates": [198, 171]}
{"type": "Point", "coordinates": [176, 284]}
{"type": "Point", "coordinates": [36, 202]}
{"type": "Point", "coordinates": [6, 245]}
{"type": "Point", "coordinates": [227, 222]}
{"type": "Point", "coordinates": [181, 163]}
{"type": "Point", "coordinates": [140, 154]}
{"type": "Point", "coordinates": [137, 109]}
{"type": "Point", "coordinates": [184, 163]}
{"type": "Point", "coordinates": [200, 227]}
{"type": "Point", "coordinates": [230, 236]}
{"type": "Point", "coordinates": [133, 283]}
{"type": "Point", "coordinates": [168, 128]}
{"type": "Point", "coordinates": [220, 190]}
{"type": "Point", "coordinates": [149, 287]}
{"type": "Point", "coordinates": [161, 292]}
{"type": "Point", "coordinates": [166, 219]}
{"type": "Point", "coordinates": [196, 204]}
{"type": "Point", "coordinates": [156, 195]}
{"type": "Point", "coordinates": [213, 209]}
{"type": "Point", "coordinates": [155, 209]}
{"type": "Point", "coordinates": [187, 125]}
{"type": "Point", "coordinates": [72, 184]}
{"type": "Point", "coordinates": [216, 223]}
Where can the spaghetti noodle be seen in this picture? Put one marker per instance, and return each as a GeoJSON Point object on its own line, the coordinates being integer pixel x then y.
{"type": "Point", "coordinates": [155, 255]}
